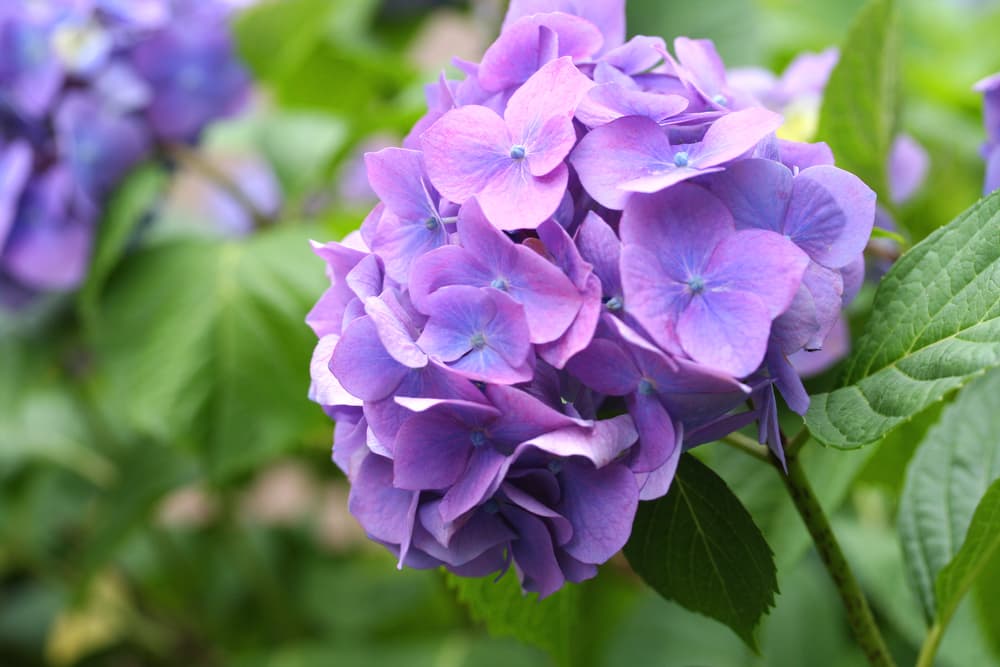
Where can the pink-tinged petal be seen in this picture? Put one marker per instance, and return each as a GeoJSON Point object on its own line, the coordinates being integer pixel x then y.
{"type": "Point", "coordinates": [608, 15]}
{"type": "Point", "coordinates": [831, 215]}
{"type": "Point", "coordinates": [431, 452]}
{"type": "Point", "coordinates": [394, 334]}
{"type": "Point", "coordinates": [382, 510]}
{"type": "Point", "coordinates": [606, 368]}
{"type": "Point", "coordinates": [639, 54]}
{"type": "Point", "coordinates": [726, 330]}
{"type": "Point", "coordinates": [624, 150]}
{"type": "Point", "coordinates": [601, 504]}
{"type": "Point", "coordinates": [520, 50]}
{"type": "Point", "coordinates": [366, 278]}
{"type": "Point", "coordinates": [733, 135]}
{"type": "Point", "coordinates": [362, 365]}
{"type": "Point", "coordinates": [397, 177]}
{"type": "Point", "coordinates": [760, 262]}
{"type": "Point", "coordinates": [554, 91]}
{"type": "Point", "coordinates": [534, 553]}
{"type": "Point", "coordinates": [480, 480]}
{"type": "Point", "coordinates": [657, 434]}
{"type": "Point", "coordinates": [466, 150]}
{"type": "Point", "coordinates": [325, 388]}
{"type": "Point", "coordinates": [611, 101]}
{"type": "Point", "coordinates": [517, 200]}
{"type": "Point", "coordinates": [602, 443]}
{"type": "Point", "coordinates": [548, 146]}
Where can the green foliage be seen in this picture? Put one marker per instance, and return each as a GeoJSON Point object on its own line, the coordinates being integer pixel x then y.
{"type": "Point", "coordinates": [935, 324]}
{"type": "Point", "coordinates": [699, 546]}
{"type": "Point", "coordinates": [551, 624]}
{"type": "Point", "coordinates": [949, 519]}
{"type": "Point", "coordinates": [203, 342]}
{"type": "Point", "coordinates": [133, 201]}
{"type": "Point", "coordinates": [860, 104]}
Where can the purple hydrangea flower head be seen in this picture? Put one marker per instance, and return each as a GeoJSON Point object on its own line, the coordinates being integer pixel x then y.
{"type": "Point", "coordinates": [589, 257]}
{"type": "Point", "coordinates": [88, 89]}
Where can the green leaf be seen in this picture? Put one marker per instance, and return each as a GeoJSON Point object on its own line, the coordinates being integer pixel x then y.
{"type": "Point", "coordinates": [699, 546]}
{"type": "Point", "coordinates": [550, 624]}
{"type": "Point", "coordinates": [858, 116]}
{"type": "Point", "coordinates": [935, 324]}
{"type": "Point", "coordinates": [951, 471]}
{"type": "Point", "coordinates": [203, 342]}
{"type": "Point", "coordinates": [982, 542]}
{"type": "Point", "coordinates": [133, 200]}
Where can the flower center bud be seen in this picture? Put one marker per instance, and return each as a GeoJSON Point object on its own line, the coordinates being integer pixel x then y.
{"type": "Point", "coordinates": [431, 224]}
{"type": "Point", "coordinates": [614, 304]}
{"type": "Point", "coordinates": [720, 99]}
{"type": "Point", "coordinates": [696, 284]}
{"type": "Point", "coordinates": [681, 159]}
{"type": "Point", "coordinates": [517, 152]}
{"type": "Point", "coordinates": [555, 467]}
{"type": "Point", "coordinates": [491, 506]}
{"type": "Point", "coordinates": [477, 341]}
{"type": "Point", "coordinates": [478, 438]}
{"type": "Point", "coordinates": [500, 284]}
{"type": "Point", "coordinates": [647, 387]}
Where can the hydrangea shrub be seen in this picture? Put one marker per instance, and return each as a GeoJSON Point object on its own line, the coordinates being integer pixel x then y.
{"type": "Point", "coordinates": [88, 89]}
{"type": "Point", "coordinates": [589, 256]}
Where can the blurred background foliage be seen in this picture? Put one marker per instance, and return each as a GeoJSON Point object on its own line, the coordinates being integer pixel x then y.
{"type": "Point", "coordinates": [166, 494]}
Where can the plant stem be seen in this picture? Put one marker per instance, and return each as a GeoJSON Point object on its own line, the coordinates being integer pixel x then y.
{"type": "Point", "coordinates": [194, 161]}
{"type": "Point", "coordinates": [930, 647]}
{"type": "Point", "coordinates": [859, 614]}
{"type": "Point", "coordinates": [748, 446]}
{"type": "Point", "coordinates": [797, 441]}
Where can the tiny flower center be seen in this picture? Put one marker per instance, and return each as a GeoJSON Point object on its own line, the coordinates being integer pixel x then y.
{"type": "Point", "coordinates": [478, 438]}
{"type": "Point", "coordinates": [720, 99]}
{"type": "Point", "coordinates": [491, 506]}
{"type": "Point", "coordinates": [614, 304]}
{"type": "Point", "coordinates": [500, 283]}
{"type": "Point", "coordinates": [431, 224]}
{"type": "Point", "coordinates": [696, 284]}
{"type": "Point", "coordinates": [647, 387]}
{"type": "Point", "coordinates": [477, 341]}
{"type": "Point", "coordinates": [555, 467]}
{"type": "Point", "coordinates": [517, 152]}
{"type": "Point", "coordinates": [681, 159]}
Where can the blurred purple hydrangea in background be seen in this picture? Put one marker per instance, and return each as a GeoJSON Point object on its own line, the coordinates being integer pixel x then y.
{"type": "Point", "coordinates": [589, 256]}
{"type": "Point", "coordinates": [990, 88]}
{"type": "Point", "coordinates": [89, 88]}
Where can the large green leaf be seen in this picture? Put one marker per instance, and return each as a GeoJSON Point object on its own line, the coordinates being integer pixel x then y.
{"type": "Point", "coordinates": [551, 624]}
{"type": "Point", "coordinates": [935, 324]}
{"type": "Point", "coordinates": [699, 546]}
{"type": "Point", "coordinates": [982, 542]}
{"type": "Point", "coordinates": [951, 471]}
{"type": "Point", "coordinates": [203, 342]}
{"type": "Point", "coordinates": [858, 116]}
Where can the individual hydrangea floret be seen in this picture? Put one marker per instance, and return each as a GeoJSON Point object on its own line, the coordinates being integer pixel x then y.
{"type": "Point", "coordinates": [990, 88]}
{"type": "Point", "coordinates": [590, 256]}
{"type": "Point", "coordinates": [88, 89]}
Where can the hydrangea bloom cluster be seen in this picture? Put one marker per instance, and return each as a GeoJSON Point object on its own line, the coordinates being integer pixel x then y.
{"type": "Point", "coordinates": [88, 88]}
{"type": "Point", "coordinates": [589, 256]}
{"type": "Point", "coordinates": [990, 88]}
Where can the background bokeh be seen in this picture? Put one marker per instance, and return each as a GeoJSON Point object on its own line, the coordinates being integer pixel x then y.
{"type": "Point", "coordinates": [166, 490]}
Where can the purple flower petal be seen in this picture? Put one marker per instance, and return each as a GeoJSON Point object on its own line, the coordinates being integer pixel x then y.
{"type": "Point", "coordinates": [608, 15]}
{"type": "Point", "coordinates": [465, 150]}
{"type": "Point", "coordinates": [362, 365]}
{"type": "Point", "coordinates": [728, 332]}
{"type": "Point", "coordinates": [382, 509]}
{"type": "Point", "coordinates": [481, 479]}
{"type": "Point", "coordinates": [600, 503]}
{"type": "Point", "coordinates": [601, 444]}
